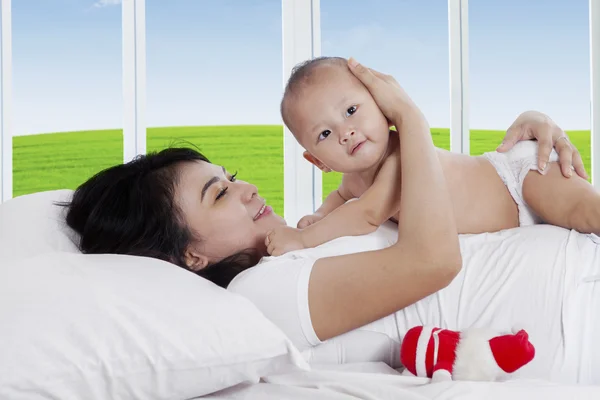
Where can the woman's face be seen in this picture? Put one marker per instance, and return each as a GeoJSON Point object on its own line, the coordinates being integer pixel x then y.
{"type": "Point", "coordinates": [225, 215]}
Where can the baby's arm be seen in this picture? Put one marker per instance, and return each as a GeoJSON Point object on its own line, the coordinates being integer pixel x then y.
{"type": "Point", "coordinates": [334, 200]}
{"type": "Point", "coordinates": [379, 203]}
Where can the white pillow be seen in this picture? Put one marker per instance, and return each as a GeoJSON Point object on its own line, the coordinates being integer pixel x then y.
{"type": "Point", "coordinates": [76, 326]}
{"type": "Point", "coordinates": [32, 225]}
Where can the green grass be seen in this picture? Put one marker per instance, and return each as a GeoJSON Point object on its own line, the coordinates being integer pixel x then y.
{"type": "Point", "coordinates": [64, 160]}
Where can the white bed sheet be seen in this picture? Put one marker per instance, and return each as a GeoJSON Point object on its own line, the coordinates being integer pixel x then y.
{"type": "Point", "coordinates": [377, 381]}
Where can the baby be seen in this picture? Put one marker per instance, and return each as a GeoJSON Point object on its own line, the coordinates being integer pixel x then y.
{"type": "Point", "coordinates": [335, 119]}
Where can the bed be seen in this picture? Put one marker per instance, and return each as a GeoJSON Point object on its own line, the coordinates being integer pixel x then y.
{"type": "Point", "coordinates": [377, 381]}
{"type": "Point", "coordinates": [107, 326]}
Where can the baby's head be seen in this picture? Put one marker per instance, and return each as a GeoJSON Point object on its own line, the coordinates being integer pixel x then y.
{"type": "Point", "coordinates": [334, 117]}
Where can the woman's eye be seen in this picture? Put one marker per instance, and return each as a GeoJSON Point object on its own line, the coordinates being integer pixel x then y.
{"type": "Point", "coordinates": [222, 192]}
{"type": "Point", "coordinates": [350, 111]}
{"type": "Point", "coordinates": [324, 134]}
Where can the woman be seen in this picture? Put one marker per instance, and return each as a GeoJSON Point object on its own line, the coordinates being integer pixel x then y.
{"type": "Point", "coordinates": [176, 206]}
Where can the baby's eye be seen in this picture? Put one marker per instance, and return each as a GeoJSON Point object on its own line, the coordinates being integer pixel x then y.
{"type": "Point", "coordinates": [351, 110]}
{"type": "Point", "coordinates": [324, 134]}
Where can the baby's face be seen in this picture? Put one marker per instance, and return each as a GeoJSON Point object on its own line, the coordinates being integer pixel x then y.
{"type": "Point", "coordinates": [338, 122]}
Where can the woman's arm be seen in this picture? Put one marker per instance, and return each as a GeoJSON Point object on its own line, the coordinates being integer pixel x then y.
{"type": "Point", "coordinates": [349, 291]}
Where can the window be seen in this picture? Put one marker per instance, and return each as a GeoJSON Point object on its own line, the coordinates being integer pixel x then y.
{"type": "Point", "coordinates": [67, 92]}
{"type": "Point", "coordinates": [529, 55]}
{"type": "Point", "coordinates": [214, 79]}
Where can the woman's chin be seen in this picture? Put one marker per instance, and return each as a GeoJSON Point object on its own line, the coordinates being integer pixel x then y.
{"type": "Point", "coordinates": [270, 221]}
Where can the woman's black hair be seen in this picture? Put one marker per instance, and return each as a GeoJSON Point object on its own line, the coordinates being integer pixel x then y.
{"type": "Point", "coordinates": [130, 209]}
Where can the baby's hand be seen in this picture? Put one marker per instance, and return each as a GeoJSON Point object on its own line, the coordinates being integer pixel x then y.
{"type": "Point", "coordinates": [308, 220]}
{"type": "Point", "coordinates": [284, 239]}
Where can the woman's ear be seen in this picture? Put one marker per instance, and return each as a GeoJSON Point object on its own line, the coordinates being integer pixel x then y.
{"type": "Point", "coordinates": [195, 261]}
{"type": "Point", "coordinates": [316, 162]}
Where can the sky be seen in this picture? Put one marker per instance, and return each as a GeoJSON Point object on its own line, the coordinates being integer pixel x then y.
{"type": "Point", "coordinates": [219, 62]}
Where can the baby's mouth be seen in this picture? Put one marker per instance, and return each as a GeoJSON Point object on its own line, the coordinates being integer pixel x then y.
{"type": "Point", "coordinates": [356, 147]}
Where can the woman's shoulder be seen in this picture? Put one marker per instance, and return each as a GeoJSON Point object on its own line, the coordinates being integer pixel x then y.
{"type": "Point", "coordinates": [278, 286]}
{"type": "Point", "coordinates": [384, 236]}
{"type": "Point", "coordinates": [293, 268]}
{"type": "Point", "coordinates": [270, 271]}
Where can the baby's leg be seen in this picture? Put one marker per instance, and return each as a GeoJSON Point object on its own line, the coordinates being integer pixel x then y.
{"type": "Point", "coordinates": [568, 202]}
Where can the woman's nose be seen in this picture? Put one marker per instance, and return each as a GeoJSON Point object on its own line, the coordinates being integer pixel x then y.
{"type": "Point", "coordinates": [249, 192]}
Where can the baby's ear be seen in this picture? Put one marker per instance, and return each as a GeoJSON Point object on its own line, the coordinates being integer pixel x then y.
{"type": "Point", "coordinates": [316, 162]}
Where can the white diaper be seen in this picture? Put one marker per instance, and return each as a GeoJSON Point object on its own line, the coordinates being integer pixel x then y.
{"type": "Point", "coordinates": [512, 167]}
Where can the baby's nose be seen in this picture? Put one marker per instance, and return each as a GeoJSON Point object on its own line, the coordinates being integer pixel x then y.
{"type": "Point", "coordinates": [347, 135]}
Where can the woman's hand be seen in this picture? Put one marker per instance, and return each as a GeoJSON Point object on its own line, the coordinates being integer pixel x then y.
{"type": "Point", "coordinates": [391, 99]}
{"type": "Point", "coordinates": [536, 125]}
